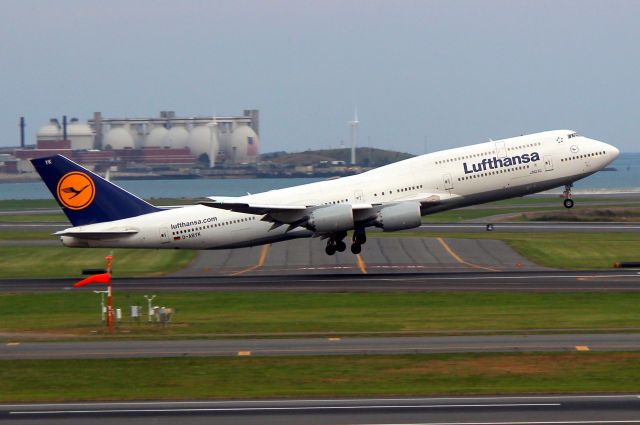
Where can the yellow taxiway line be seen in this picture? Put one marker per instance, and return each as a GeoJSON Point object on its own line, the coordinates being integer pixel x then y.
{"type": "Point", "coordinates": [263, 256]}
{"type": "Point", "coordinates": [460, 260]}
{"type": "Point", "coordinates": [361, 265]}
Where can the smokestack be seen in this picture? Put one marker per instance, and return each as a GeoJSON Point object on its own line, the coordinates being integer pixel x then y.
{"type": "Point", "coordinates": [64, 127]}
{"type": "Point", "coordinates": [22, 126]}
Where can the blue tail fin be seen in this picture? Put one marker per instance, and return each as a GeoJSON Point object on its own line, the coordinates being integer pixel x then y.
{"type": "Point", "coordinates": [85, 197]}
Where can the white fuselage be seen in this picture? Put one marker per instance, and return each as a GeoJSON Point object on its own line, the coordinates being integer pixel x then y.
{"type": "Point", "coordinates": [462, 176]}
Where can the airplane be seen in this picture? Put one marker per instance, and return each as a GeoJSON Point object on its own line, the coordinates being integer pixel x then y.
{"type": "Point", "coordinates": [393, 197]}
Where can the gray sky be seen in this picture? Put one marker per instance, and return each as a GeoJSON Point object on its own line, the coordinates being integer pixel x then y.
{"type": "Point", "coordinates": [449, 72]}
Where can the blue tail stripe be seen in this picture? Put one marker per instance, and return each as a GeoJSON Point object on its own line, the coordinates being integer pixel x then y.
{"type": "Point", "coordinates": [108, 202]}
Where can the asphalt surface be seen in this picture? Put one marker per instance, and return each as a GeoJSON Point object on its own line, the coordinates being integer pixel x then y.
{"type": "Point", "coordinates": [542, 281]}
{"type": "Point", "coordinates": [320, 346]}
{"type": "Point", "coordinates": [379, 255]}
{"type": "Point", "coordinates": [599, 409]}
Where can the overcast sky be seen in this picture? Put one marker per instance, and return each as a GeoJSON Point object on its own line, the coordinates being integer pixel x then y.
{"type": "Point", "coordinates": [424, 75]}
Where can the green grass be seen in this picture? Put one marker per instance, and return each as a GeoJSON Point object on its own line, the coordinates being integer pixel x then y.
{"type": "Point", "coordinates": [30, 218]}
{"type": "Point", "coordinates": [557, 250]}
{"type": "Point", "coordinates": [59, 261]}
{"type": "Point", "coordinates": [19, 235]}
{"type": "Point", "coordinates": [328, 376]}
{"type": "Point", "coordinates": [211, 314]}
{"type": "Point", "coordinates": [25, 204]}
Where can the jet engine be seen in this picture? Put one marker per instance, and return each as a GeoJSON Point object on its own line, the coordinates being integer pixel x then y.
{"type": "Point", "coordinates": [331, 219]}
{"type": "Point", "coordinates": [405, 215]}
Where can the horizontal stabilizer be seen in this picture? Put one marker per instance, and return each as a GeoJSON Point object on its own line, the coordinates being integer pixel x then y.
{"type": "Point", "coordinates": [106, 234]}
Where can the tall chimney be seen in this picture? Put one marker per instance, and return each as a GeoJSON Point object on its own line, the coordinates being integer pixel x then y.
{"type": "Point", "coordinates": [64, 127]}
{"type": "Point", "coordinates": [22, 126]}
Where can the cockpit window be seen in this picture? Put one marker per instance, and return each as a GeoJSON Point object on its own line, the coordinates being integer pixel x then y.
{"type": "Point", "coordinates": [572, 135]}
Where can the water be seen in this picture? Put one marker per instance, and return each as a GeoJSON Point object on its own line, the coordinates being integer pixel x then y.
{"type": "Point", "coordinates": [625, 179]}
{"type": "Point", "coordinates": [196, 188]}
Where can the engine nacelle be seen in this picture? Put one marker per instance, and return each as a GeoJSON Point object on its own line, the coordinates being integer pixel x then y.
{"type": "Point", "coordinates": [399, 217]}
{"type": "Point", "coordinates": [331, 219]}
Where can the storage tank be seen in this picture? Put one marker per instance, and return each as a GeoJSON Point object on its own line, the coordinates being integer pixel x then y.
{"type": "Point", "coordinates": [80, 135]}
{"type": "Point", "coordinates": [243, 146]}
{"type": "Point", "coordinates": [118, 138]}
{"type": "Point", "coordinates": [203, 143]}
{"type": "Point", "coordinates": [156, 138]}
{"type": "Point", "coordinates": [51, 131]}
{"type": "Point", "coordinates": [177, 137]}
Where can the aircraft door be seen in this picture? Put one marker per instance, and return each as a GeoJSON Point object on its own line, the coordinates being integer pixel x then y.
{"type": "Point", "coordinates": [548, 163]}
{"type": "Point", "coordinates": [448, 182]}
{"type": "Point", "coordinates": [501, 150]}
{"type": "Point", "coordinates": [358, 196]}
{"type": "Point", "coordinates": [164, 235]}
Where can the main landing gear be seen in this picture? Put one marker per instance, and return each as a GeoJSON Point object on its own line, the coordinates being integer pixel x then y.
{"type": "Point", "coordinates": [334, 246]}
{"type": "Point", "coordinates": [568, 202]}
{"type": "Point", "coordinates": [336, 243]}
{"type": "Point", "coordinates": [359, 238]}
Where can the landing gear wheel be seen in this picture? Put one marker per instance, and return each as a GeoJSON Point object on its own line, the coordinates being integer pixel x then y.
{"type": "Point", "coordinates": [568, 202]}
{"type": "Point", "coordinates": [330, 249]}
{"type": "Point", "coordinates": [356, 248]}
{"type": "Point", "coordinates": [360, 238]}
{"type": "Point", "coordinates": [341, 246]}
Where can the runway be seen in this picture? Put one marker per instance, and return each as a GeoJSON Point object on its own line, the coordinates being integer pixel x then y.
{"type": "Point", "coordinates": [522, 410]}
{"type": "Point", "coordinates": [531, 226]}
{"type": "Point", "coordinates": [543, 281]}
{"type": "Point", "coordinates": [321, 346]}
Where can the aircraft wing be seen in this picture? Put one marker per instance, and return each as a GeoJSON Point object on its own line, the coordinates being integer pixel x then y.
{"type": "Point", "coordinates": [257, 209]}
{"type": "Point", "coordinates": [299, 215]}
{"type": "Point", "coordinates": [429, 198]}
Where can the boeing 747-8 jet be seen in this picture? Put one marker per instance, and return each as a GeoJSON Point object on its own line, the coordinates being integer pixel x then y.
{"type": "Point", "coordinates": [393, 197]}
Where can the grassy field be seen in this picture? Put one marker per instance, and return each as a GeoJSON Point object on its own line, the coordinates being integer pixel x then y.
{"type": "Point", "coordinates": [26, 235]}
{"type": "Point", "coordinates": [31, 218]}
{"type": "Point", "coordinates": [557, 250]}
{"type": "Point", "coordinates": [328, 376]}
{"type": "Point", "coordinates": [75, 314]}
{"type": "Point", "coordinates": [59, 261]}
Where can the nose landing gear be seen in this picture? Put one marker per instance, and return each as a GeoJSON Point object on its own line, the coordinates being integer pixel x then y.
{"type": "Point", "coordinates": [568, 202]}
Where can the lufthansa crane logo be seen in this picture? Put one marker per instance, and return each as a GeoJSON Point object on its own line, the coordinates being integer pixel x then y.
{"type": "Point", "coordinates": [76, 190]}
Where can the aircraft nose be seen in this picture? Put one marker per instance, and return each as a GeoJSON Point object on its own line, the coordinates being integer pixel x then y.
{"type": "Point", "coordinates": [612, 150]}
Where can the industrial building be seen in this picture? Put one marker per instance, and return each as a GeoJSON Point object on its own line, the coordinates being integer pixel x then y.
{"type": "Point", "coordinates": [136, 144]}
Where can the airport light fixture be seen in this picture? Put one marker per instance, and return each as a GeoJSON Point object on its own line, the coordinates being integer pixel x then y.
{"type": "Point", "coordinates": [149, 298]}
{"type": "Point", "coordinates": [102, 309]}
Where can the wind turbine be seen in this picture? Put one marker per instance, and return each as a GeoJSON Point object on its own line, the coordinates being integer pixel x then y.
{"type": "Point", "coordinates": [354, 135]}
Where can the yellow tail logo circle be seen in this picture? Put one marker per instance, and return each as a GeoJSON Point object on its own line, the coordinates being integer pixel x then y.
{"type": "Point", "coordinates": [76, 190]}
